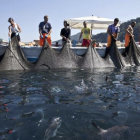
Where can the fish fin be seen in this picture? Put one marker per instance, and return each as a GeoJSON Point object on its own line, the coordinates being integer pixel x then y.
{"type": "Point", "coordinates": [97, 127]}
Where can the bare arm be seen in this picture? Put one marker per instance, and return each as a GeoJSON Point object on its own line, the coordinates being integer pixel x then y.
{"type": "Point", "coordinates": [40, 31]}
{"type": "Point", "coordinates": [108, 31]}
{"type": "Point", "coordinates": [90, 34]}
{"type": "Point", "coordinates": [9, 33]}
{"type": "Point", "coordinates": [50, 32]}
{"type": "Point", "coordinates": [80, 35]}
{"type": "Point", "coordinates": [19, 29]}
{"type": "Point", "coordinates": [128, 31]}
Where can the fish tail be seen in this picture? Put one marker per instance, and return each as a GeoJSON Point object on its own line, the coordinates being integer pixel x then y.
{"type": "Point", "coordinates": [96, 126]}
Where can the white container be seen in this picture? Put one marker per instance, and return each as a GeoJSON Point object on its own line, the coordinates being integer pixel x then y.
{"type": "Point", "coordinates": [31, 53]}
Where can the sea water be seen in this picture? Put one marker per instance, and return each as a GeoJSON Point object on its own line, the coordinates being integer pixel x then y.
{"type": "Point", "coordinates": [62, 104]}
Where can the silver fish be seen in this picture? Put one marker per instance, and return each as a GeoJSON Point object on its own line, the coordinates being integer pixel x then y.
{"type": "Point", "coordinates": [52, 129]}
{"type": "Point", "coordinates": [113, 133]}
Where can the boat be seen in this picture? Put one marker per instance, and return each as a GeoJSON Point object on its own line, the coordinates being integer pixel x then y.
{"type": "Point", "coordinates": [32, 52]}
{"type": "Point", "coordinates": [2, 50]}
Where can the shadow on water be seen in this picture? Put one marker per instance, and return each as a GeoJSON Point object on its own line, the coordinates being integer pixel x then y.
{"type": "Point", "coordinates": [63, 104]}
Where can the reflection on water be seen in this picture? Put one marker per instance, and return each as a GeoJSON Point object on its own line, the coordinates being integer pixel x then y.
{"type": "Point", "coordinates": [70, 104]}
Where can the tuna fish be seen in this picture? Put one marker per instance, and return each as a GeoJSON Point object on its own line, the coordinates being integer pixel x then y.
{"type": "Point", "coordinates": [52, 129]}
{"type": "Point", "coordinates": [113, 133]}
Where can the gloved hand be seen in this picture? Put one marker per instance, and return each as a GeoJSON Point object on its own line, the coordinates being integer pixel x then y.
{"type": "Point", "coordinates": [46, 36]}
{"type": "Point", "coordinates": [41, 36]}
{"type": "Point", "coordinates": [17, 33]}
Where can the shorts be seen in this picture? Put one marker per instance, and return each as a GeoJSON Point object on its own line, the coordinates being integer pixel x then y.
{"type": "Point", "coordinates": [86, 42]}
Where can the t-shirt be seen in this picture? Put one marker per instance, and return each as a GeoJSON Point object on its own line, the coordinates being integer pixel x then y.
{"type": "Point", "coordinates": [113, 29]}
{"type": "Point", "coordinates": [86, 33]}
{"type": "Point", "coordinates": [45, 27]}
{"type": "Point", "coordinates": [65, 32]}
{"type": "Point", "coordinates": [130, 29]}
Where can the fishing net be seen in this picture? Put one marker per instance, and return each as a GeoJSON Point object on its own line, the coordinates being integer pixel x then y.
{"type": "Point", "coordinates": [13, 58]}
{"type": "Point", "coordinates": [49, 58]}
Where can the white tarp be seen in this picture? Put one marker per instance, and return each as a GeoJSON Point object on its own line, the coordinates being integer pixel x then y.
{"type": "Point", "coordinates": [92, 22]}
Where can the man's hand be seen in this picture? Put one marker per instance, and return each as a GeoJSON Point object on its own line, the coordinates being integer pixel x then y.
{"type": "Point", "coordinates": [65, 38]}
{"type": "Point", "coordinates": [114, 37]}
{"type": "Point", "coordinates": [68, 40]}
{"type": "Point", "coordinates": [46, 36]}
{"type": "Point", "coordinates": [41, 36]}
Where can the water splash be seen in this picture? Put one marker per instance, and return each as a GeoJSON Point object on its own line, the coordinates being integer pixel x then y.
{"type": "Point", "coordinates": [119, 77]}
{"type": "Point", "coordinates": [82, 88]}
{"type": "Point", "coordinates": [41, 112]}
{"type": "Point", "coordinates": [55, 89]}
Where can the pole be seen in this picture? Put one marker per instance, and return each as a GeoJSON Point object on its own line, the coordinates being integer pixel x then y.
{"type": "Point", "coordinates": [91, 30]}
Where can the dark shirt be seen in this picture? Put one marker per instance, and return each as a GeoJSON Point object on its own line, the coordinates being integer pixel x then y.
{"type": "Point", "coordinates": [65, 32]}
{"type": "Point", "coordinates": [113, 29]}
{"type": "Point", "coordinates": [45, 27]}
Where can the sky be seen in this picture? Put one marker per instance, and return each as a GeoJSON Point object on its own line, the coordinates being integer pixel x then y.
{"type": "Point", "coordinates": [29, 13]}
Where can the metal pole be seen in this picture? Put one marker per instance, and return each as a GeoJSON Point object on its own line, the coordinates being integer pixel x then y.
{"type": "Point", "coordinates": [91, 30]}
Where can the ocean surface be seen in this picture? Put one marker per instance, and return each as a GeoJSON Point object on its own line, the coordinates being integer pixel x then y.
{"type": "Point", "coordinates": [70, 104]}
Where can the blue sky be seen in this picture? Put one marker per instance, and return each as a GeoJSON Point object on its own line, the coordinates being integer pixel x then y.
{"type": "Point", "coordinates": [29, 13]}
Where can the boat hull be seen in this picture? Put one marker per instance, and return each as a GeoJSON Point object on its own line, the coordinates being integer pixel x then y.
{"type": "Point", "coordinates": [2, 51]}
{"type": "Point", "coordinates": [32, 53]}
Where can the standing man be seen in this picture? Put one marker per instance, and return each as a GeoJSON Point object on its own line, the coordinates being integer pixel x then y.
{"type": "Point", "coordinates": [65, 33]}
{"type": "Point", "coordinates": [45, 29]}
{"type": "Point", "coordinates": [86, 32]}
{"type": "Point", "coordinates": [128, 36]}
{"type": "Point", "coordinates": [113, 31]}
{"type": "Point", "coordinates": [14, 29]}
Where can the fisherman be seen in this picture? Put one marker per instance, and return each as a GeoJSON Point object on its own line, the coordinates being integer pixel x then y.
{"type": "Point", "coordinates": [14, 29]}
{"type": "Point", "coordinates": [65, 33]}
{"type": "Point", "coordinates": [86, 33]}
{"type": "Point", "coordinates": [128, 36]}
{"type": "Point", "coordinates": [45, 29]}
{"type": "Point", "coordinates": [113, 31]}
